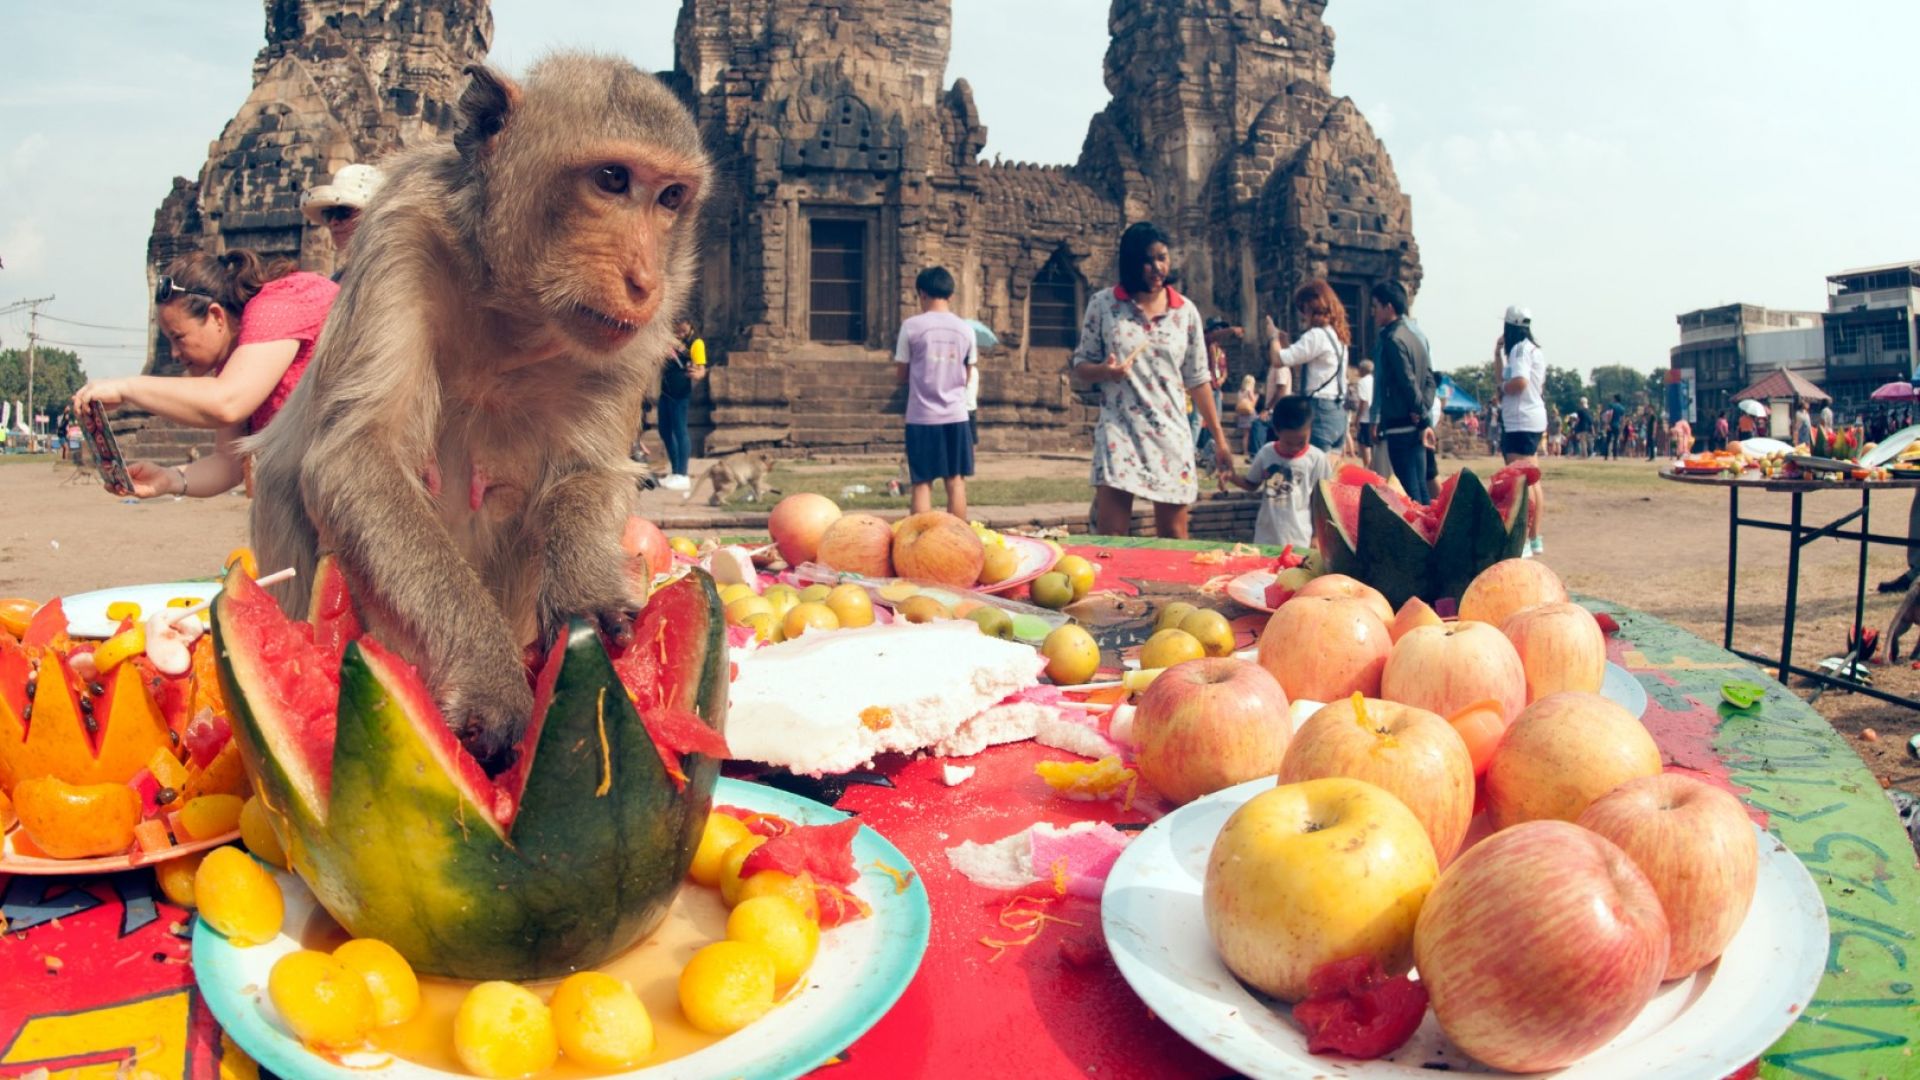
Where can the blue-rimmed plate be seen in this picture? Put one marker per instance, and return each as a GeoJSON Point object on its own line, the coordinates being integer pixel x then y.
{"type": "Point", "coordinates": [862, 968]}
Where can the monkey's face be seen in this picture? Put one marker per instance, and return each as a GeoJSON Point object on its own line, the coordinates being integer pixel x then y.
{"type": "Point", "coordinates": [594, 175]}
{"type": "Point", "coordinates": [615, 264]}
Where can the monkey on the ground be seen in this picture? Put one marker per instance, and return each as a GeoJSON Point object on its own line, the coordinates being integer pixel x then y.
{"type": "Point", "coordinates": [746, 469]}
{"type": "Point", "coordinates": [460, 439]}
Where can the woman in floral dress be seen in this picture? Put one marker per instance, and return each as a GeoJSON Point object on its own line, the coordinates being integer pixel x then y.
{"type": "Point", "coordinates": [1142, 344]}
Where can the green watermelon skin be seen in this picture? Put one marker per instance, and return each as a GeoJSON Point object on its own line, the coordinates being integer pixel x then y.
{"type": "Point", "coordinates": [1383, 550]}
{"type": "Point", "coordinates": [413, 846]}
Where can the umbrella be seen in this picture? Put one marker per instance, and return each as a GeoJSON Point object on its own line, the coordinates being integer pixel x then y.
{"type": "Point", "coordinates": [1453, 399]}
{"type": "Point", "coordinates": [1753, 408]}
{"type": "Point", "coordinates": [1894, 391]}
{"type": "Point", "coordinates": [983, 336]}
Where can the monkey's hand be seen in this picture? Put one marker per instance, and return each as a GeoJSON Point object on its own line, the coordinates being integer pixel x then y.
{"type": "Point", "coordinates": [586, 571]}
{"type": "Point", "coordinates": [488, 706]}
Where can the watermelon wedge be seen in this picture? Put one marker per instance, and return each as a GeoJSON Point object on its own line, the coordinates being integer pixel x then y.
{"type": "Point", "coordinates": [569, 857]}
{"type": "Point", "coordinates": [1367, 530]}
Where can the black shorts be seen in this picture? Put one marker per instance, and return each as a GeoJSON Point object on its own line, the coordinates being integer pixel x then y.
{"type": "Point", "coordinates": [937, 451]}
{"type": "Point", "coordinates": [1520, 443]}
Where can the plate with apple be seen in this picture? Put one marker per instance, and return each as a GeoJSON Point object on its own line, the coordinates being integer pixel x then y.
{"type": "Point", "coordinates": [1523, 957]}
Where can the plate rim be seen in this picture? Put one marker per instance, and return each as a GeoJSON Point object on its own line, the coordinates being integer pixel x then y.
{"type": "Point", "coordinates": [30, 866]}
{"type": "Point", "coordinates": [210, 586]}
{"type": "Point", "coordinates": [1775, 856]}
{"type": "Point", "coordinates": [276, 1050]}
{"type": "Point", "coordinates": [1000, 587]}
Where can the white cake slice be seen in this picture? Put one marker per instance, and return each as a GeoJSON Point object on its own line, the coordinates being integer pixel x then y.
{"type": "Point", "coordinates": [830, 702]}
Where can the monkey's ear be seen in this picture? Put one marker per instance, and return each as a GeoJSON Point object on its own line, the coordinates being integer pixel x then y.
{"type": "Point", "coordinates": [484, 106]}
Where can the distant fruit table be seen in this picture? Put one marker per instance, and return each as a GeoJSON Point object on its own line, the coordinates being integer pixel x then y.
{"type": "Point", "coordinates": [1799, 535]}
{"type": "Point", "coordinates": [93, 970]}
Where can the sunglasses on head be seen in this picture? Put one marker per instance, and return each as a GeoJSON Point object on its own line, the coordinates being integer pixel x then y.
{"type": "Point", "coordinates": [170, 289]}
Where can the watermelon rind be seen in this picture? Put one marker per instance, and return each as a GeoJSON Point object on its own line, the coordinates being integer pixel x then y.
{"type": "Point", "coordinates": [1398, 560]}
{"type": "Point", "coordinates": [411, 845]}
{"type": "Point", "coordinates": [1474, 536]}
{"type": "Point", "coordinates": [1391, 555]}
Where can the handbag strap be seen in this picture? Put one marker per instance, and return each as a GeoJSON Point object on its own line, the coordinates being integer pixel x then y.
{"type": "Point", "coordinates": [1339, 362]}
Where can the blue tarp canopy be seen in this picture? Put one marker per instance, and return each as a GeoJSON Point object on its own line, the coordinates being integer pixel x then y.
{"type": "Point", "coordinates": [1455, 400]}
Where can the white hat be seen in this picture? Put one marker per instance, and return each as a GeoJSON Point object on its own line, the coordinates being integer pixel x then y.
{"type": "Point", "coordinates": [353, 186]}
{"type": "Point", "coordinates": [1519, 316]}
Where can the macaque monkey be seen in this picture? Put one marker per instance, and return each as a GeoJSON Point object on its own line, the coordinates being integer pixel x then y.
{"type": "Point", "coordinates": [735, 471]}
{"type": "Point", "coordinates": [459, 441]}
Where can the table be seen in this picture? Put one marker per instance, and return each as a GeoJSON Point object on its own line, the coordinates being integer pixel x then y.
{"type": "Point", "coordinates": [1799, 536]}
{"type": "Point", "coordinates": [1058, 1007]}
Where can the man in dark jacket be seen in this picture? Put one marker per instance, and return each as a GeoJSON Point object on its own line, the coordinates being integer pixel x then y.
{"type": "Point", "coordinates": [1404, 383]}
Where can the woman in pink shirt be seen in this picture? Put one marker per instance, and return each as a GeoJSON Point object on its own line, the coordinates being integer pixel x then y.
{"type": "Point", "coordinates": [247, 326]}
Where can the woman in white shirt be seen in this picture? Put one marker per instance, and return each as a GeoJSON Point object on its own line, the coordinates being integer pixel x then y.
{"type": "Point", "coordinates": [1321, 356]}
{"type": "Point", "coordinates": [1523, 408]}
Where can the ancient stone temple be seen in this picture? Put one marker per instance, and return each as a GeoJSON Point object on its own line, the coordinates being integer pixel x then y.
{"type": "Point", "coordinates": [852, 163]}
{"type": "Point", "coordinates": [849, 162]}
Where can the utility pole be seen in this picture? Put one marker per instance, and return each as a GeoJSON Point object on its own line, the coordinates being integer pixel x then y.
{"type": "Point", "coordinates": [33, 335]}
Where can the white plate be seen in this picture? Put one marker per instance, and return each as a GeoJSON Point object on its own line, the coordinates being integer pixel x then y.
{"type": "Point", "coordinates": [1760, 446]}
{"type": "Point", "coordinates": [1889, 448]}
{"type": "Point", "coordinates": [1250, 589]}
{"type": "Point", "coordinates": [860, 971]}
{"type": "Point", "coordinates": [1036, 558]}
{"type": "Point", "coordinates": [1703, 1027]}
{"type": "Point", "coordinates": [87, 612]}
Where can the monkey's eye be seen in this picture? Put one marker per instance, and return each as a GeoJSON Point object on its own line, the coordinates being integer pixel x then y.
{"type": "Point", "coordinates": [612, 179]}
{"type": "Point", "coordinates": [674, 196]}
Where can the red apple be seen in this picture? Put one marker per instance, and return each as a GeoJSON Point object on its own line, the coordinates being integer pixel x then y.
{"type": "Point", "coordinates": [1695, 843]}
{"type": "Point", "coordinates": [1208, 724]}
{"type": "Point", "coordinates": [938, 547]}
{"type": "Point", "coordinates": [797, 524]}
{"type": "Point", "coordinates": [1305, 874]}
{"type": "Point", "coordinates": [858, 544]}
{"type": "Point", "coordinates": [1446, 668]}
{"type": "Point", "coordinates": [1324, 648]}
{"type": "Point", "coordinates": [1508, 586]}
{"type": "Point", "coordinates": [1340, 585]}
{"type": "Point", "coordinates": [1560, 647]}
{"type": "Point", "coordinates": [643, 540]}
{"type": "Point", "coordinates": [1563, 752]}
{"type": "Point", "coordinates": [1411, 753]}
{"type": "Point", "coordinates": [1538, 945]}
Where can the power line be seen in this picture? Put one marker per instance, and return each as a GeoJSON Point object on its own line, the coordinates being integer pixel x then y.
{"type": "Point", "coordinates": [92, 344]}
{"type": "Point", "coordinates": [96, 326]}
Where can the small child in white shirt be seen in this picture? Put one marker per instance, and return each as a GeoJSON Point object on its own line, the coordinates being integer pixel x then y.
{"type": "Point", "coordinates": [1285, 472]}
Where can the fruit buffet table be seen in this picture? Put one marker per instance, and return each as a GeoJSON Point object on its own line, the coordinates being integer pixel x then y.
{"type": "Point", "coordinates": [1800, 533]}
{"type": "Point", "coordinates": [96, 970]}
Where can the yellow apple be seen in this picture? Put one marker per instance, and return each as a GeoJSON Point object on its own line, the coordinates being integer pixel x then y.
{"type": "Point", "coordinates": [1314, 872]}
{"type": "Point", "coordinates": [1410, 753]}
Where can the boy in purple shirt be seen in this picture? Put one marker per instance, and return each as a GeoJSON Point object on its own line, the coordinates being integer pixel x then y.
{"type": "Point", "coordinates": [933, 358]}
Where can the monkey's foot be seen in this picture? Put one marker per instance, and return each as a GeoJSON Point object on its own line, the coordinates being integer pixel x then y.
{"type": "Point", "coordinates": [489, 723]}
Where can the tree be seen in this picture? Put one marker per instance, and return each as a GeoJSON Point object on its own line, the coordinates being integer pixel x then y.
{"type": "Point", "coordinates": [1477, 381]}
{"type": "Point", "coordinates": [1619, 379]}
{"type": "Point", "coordinates": [56, 375]}
{"type": "Point", "coordinates": [1564, 389]}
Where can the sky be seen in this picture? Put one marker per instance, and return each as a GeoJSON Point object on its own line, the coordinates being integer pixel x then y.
{"type": "Point", "coordinates": [1606, 163]}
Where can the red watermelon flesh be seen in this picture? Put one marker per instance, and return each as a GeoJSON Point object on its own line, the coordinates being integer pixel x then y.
{"type": "Point", "coordinates": [1505, 486]}
{"type": "Point", "coordinates": [1345, 503]}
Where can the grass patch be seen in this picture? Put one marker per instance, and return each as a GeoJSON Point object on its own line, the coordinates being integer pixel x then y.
{"type": "Point", "coordinates": [1011, 491]}
{"type": "Point", "coordinates": [27, 459]}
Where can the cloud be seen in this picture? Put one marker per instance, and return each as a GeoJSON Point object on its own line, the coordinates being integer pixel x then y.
{"type": "Point", "coordinates": [23, 246]}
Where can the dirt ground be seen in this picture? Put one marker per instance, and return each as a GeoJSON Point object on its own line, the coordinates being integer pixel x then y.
{"type": "Point", "coordinates": [1613, 530]}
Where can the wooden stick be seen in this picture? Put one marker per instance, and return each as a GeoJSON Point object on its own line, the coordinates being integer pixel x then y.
{"type": "Point", "coordinates": [1087, 706]}
{"type": "Point", "coordinates": [274, 578]}
{"type": "Point", "coordinates": [1083, 687]}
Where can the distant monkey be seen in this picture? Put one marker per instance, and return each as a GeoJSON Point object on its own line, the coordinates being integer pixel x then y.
{"type": "Point", "coordinates": [460, 439]}
{"type": "Point", "coordinates": [748, 470]}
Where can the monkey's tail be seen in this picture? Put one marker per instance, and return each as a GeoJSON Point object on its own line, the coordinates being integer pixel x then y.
{"type": "Point", "coordinates": [705, 477]}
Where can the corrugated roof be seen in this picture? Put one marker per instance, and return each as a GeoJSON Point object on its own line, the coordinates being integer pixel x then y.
{"type": "Point", "coordinates": [1910, 264]}
{"type": "Point", "coordinates": [1783, 384]}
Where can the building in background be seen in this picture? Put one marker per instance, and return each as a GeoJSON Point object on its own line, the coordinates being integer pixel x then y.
{"type": "Point", "coordinates": [848, 162]}
{"type": "Point", "coordinates": [1870, 330]}
{"type": "Point", "coordinates": [1725, 348]}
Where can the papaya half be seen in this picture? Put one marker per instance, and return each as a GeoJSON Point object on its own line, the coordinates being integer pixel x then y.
{"type": "Point", "coordinates": [569, 857]}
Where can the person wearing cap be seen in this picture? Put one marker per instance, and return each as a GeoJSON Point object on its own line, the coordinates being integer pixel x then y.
{"type": "Point", "coordinates": [1523, 405]}
{"type": "Point", "coordinates": [247, 326]}
{"type": "Point", "coordinates": [338, 204]}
